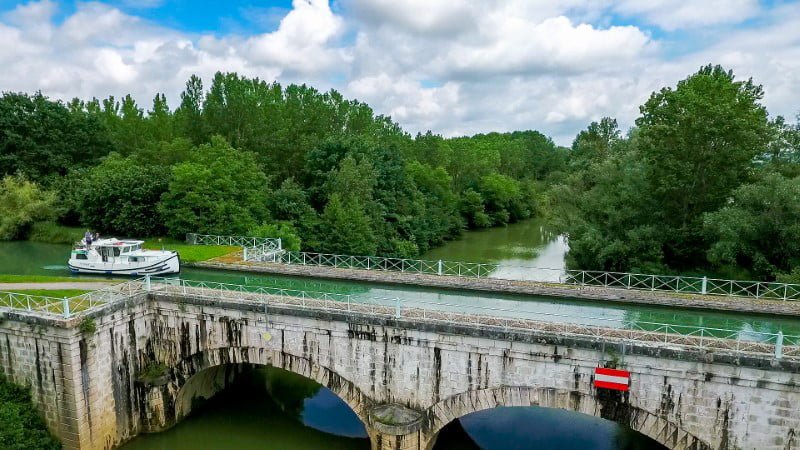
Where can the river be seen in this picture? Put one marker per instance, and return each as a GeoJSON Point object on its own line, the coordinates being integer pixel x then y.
{"type": "Point", "coordinates": [248, 416]}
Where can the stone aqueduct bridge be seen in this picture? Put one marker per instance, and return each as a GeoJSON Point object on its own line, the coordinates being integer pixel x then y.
{"type": "Point", "coordinates": [155, 354]}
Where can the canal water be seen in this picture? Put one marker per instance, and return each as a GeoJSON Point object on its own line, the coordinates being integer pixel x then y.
{"type": "Point", "coordinates": [249, 415]}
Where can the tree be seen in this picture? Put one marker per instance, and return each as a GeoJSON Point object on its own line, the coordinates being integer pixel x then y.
{"type": "Point", "coordinates": [348, 228]}
{"type": "Point", "coordinates": [189, 115]}
{"type": "Point", "coordinates": [759, 229]}
{"type": "Point", "coordinates": [698, 142]}
{"type": "Point", "coordinates": [43, 139]}
{"type": "Point", "coordinates": [120, 196]}
{"type": "Point", "coordinates": [21, 204]}
{"type": "Point", "coordinates": [595, 143]}
{"type": "Point", "coordinates": [219, 190]}
{"type": "Point", "coordinates": [640, 201]}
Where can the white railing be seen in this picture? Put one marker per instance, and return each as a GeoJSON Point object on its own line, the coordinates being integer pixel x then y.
{"type": "Point", "coordinates": [234, 241]}
{"type": "Point", "coordinates": [775, 345]}
{"type": "Point", "coordinates": [379, 263]}
{"type": "Point", "coordinates": [689, 285]}
{"type": "Point", "coordinates": [67, 307]}
{"type": "Point", "coordinates": [683, 336]}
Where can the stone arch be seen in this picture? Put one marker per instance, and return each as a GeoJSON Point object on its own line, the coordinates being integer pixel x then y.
{"type": "Point", "coordinates": [612, 408]}
{"type": "Point", "coordinates": [216, 368]}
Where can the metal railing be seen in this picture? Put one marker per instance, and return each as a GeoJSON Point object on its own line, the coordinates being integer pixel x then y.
{"type": "Point", "coordinates": [379, 263]}
{"type": "Point", "coordinates": [689, 285]}
{"type": "Point", "coordinates": [768, 344]}
{"type": "Point", "coordinates": [68, 307]}
{"type": "Point", "coordinates": [761, 343]}
{"type": "Point", "coordinates": [272, 244]}
{"type": "Point", "coordinates": [269, 250]}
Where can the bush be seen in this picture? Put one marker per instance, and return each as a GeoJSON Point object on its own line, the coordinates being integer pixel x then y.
{"type": "Point", "coordinates": [290, 238]}
{"type": "Point", "coordinates": [52, 233]}
{"type": "Point", "coordinates": [21, 427]}
{"type": "Point", "coordinates": [21, 204]}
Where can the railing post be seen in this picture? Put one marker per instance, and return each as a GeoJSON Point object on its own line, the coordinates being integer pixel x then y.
{"type": "Point", "coordinates": [147, 282]}
{"type": "Point", "coordinates": [779, 345]}
{"type": "Point", "coordinates": [280, 244]}
{"type": "Point", "coordinates": [629, 281]}
{"type": "Point", "coordinates": [440, 268]}
{"type": "Point", "coordinates": [704, 286]}
{"type": "Point", "coordinates": [785, 292]}
{"type": "Point", "coordinates": [652, 282]}
{"type": "Point", "coordinates": [66, 308]}
{"type": "Point", "coordinates": [244, 254]}
{"type": "Point", "coordinates": [758, 289]}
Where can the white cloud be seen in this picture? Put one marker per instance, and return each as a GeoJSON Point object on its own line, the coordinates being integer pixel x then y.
{"type": "Point", "coordinates": [678, 14]}
{"type": "Point", "coordinates": [302, 39]}
{"type": "Point", "coordinates": [457, 67]}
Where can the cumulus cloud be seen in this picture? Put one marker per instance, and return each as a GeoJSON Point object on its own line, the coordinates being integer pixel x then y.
{"type": "Point", "coordinates": [456, 67]}
{"type": "Point", "coordinates": [677, 14]}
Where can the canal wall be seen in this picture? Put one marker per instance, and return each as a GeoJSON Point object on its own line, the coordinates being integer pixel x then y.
{"type": "Point", "coordinates": [494, 285]}
{"type": "Point", "coordinates": [146, 363]}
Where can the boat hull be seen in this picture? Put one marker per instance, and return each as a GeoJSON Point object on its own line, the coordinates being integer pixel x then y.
{"type": "Point", "coordinates": [166, 266]}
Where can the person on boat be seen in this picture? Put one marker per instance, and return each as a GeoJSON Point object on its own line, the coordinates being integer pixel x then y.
{"type": "Point", "coordinates": [87, 238]}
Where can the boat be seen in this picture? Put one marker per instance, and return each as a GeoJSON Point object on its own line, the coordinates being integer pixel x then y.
{"type": "Point", "coordinates": [112, 256]}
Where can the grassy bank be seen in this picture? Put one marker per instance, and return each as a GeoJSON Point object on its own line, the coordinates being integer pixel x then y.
{"type": "Point", "coordinates": [46, 279]}
{"type": "Point", "coordinates": [190, 253]}
{"type": "Point", "coordinates": [21, 426]}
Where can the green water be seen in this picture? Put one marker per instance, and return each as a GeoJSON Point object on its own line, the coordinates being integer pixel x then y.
{"type": "Point", "coordinates": [527, 250]}
{"type": "Point", "coordinates": [236, 420]}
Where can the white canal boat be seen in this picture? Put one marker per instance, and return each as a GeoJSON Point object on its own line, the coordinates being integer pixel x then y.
{"type": "Point", "coordinates": [122, 257]}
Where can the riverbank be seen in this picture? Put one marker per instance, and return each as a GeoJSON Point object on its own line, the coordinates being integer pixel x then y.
{"type": "Point", "coordinates": [651, 298]}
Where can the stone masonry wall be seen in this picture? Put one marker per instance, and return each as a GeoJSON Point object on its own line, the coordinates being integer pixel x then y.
{"type": "Point", "coordinates": [150, 360]}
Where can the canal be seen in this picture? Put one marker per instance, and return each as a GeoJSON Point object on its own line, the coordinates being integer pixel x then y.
{"type": "Point", "coordinates": [253, 414]}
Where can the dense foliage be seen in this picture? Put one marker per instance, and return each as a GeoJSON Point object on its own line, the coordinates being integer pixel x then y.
{"type": "Point", "coordinates": [21, 427]}
{"type": "Point", "coordinates": [247, 156]}
{"type": "Point", "coordinates": [704, 180]}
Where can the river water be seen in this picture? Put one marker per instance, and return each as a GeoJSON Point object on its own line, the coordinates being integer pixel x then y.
{"type": "Point", "coordinates": [250, 416]}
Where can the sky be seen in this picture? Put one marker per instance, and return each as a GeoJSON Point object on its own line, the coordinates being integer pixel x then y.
{"type": "Point", "coordinates": [455, 67]}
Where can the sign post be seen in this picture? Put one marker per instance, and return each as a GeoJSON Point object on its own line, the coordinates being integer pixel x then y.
{"type": "Point", "coordinates": [614, 379]}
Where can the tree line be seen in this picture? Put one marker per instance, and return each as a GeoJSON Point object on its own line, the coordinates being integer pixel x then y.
{"type": "Point", "coordinates": [705, 180]}
{"type": "Point", "coordinates": [250, 157]}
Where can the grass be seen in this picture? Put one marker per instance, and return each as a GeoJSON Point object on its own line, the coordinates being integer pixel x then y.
{"type": "Point", "coordinates": [57, 293]}
{"type": "Point", "coordinates": [52, 233]}
{"type": "Point", "coordinates": [190, 253]}
{"type": "Point", "coordinates": [45, 279]}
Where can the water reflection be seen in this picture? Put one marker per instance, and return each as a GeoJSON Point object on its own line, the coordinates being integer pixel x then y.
{"type": "Point", "coordinates": [527, 250]}
{"type": "Point", "coordinates": [256, 413]}
{"type": "Point", "coordinates": [540, 429]}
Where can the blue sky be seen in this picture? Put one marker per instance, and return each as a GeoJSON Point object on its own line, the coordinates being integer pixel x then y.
{"type": "Point", "coordinates": [454, 67]}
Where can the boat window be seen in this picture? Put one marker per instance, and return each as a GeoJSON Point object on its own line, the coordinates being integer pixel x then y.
{"type": "Point", "coordinates": [116, 251]}
{"type": "Point", "coordinates": [81, 256]}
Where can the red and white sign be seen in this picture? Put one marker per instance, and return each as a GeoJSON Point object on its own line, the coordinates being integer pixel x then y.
{"type": "Point", "coordinates": [614, 379]}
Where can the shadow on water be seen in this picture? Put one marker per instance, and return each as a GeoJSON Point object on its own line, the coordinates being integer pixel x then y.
{"type": "Point", "coordinates": [246, 416]}
{"type": "Point", "coordinates": [539, 429]}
